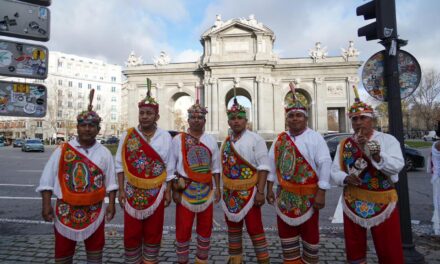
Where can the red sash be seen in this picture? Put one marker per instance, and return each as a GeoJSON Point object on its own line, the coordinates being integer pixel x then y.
{"type": "Point", "coordinates": [297, 179]}
{"type": "Point", "coordinates": [81, 180]}
{"type": "Point", "coordinates": [197, 158]}
{"type": "Point", "coordinates": [376, 191]}
{"type": "Point", "coordinates": [143, 166]}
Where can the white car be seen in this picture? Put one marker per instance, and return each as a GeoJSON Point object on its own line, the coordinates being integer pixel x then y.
{"type": "Point", "coordinates": [431, 136]}
{"type": "Point", "coordinates": [100, 140]}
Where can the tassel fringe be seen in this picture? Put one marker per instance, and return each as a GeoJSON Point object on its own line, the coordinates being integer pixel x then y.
{"type": "Point", "coordinates": [239, 216]}
{"type": "Point", "coordinates": [369, 223]}
{"type": "Point", "coordinates": [142, 214]}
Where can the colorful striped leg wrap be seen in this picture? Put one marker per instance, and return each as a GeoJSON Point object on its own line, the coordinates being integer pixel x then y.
{"type": "Point", "coordinates": [291, 250]}
{"type": "Point", "coordinates": [310, 253]}
{"type": "Point", "coordinates": [260, 247]}
{"type": "Point", "coordinates": [150, 253]}
{"type": "Point", "coordinates": [133, 255]}
{"type": "Point", "coordinates": [203, 246]}
{"type": "Point", "coordinates": [235, 236]}
{"type": "Point", "coordinates": [94, 256]}
{"type": "Point", "coordinates": [182, 251]}
{"type": "Point", "coordinates": [64, 260]}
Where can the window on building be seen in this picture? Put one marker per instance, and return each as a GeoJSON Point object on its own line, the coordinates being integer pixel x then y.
{"type": "Point", "coordinates": [59, 125]}
{"type": "Point", "coordinates": [98, 87]}
{"type": "Point", "coordinates": [113, 117]}
{"type": "Point", "coordinates": [80, 95]}
{"type": "Point", "coordinates": [60, 103]}
{"type": "Point", "coordinates": [113, 78]}
{"type": "Point", "coordinates": [89, 86]}
{"type": "Point", "coordinates": [39, 123]}
{"type": "Point", "coordinates": [69, 94]}
{"type": "Point", "coordinates": [69, 104]}
{"type": "Point", "coordinates": [98, 107]}
{"type": "Point", "coordinates": [113, 99]}
{"type": "Point", "coordinates": [60, 92]}
{"type": "Point", "coordinates": [60, 82]}
{"type": "Point", "coordinates": [98, 97]}
{"type": "Point", "coordinates": [80, 105]}
{"type": "Point", "coordinates": [113, 89]}
{"type": "Point", "coordinates": [70, 83]}
{"type": "Point", "coordinates": [80, 85]}
{"type": "Point", "coordinates": [60, 64]}
{"type": "Point", "coordinates": [113, 108]}
{"type": "Point", "coordinates": [60, 114]}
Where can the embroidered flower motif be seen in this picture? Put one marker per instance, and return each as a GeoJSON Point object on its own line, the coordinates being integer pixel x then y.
{"type": "Point", "coordinates": [231, 161]}
{"type": "Point", "coordinates": [374, 183]}
{"type": "Point", "coordinates": [69, 156]}
{"type": "Point", "coordinates": [63, 209]}
{"type": "Point", "coordinates": [235, 172]}
{"type": "Point", "coordinates": [364, 209]}
{"type": "Point", "coordinates": [98, 181]}
{"type": "Point", "coordinates": [246, 173]}
{"type": "Point", "coordinates": [79, 216]}
{"type": "Point", "coordinates": [157, 168]}
{"type": "Point", "coordinates": [386, 184]}
{"type": "Point", "coordinates": [133, 144]}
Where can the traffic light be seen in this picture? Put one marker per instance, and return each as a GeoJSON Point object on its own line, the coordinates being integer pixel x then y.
{"type": "Point", "coordinates": [385, 25]}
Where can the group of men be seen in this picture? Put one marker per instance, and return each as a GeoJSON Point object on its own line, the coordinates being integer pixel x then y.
{"type": "Point", "coordinates": [153, 169]}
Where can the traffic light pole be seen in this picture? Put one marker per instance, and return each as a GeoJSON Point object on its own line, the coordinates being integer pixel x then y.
{"type": "Point", "coordinates": [391, 75]}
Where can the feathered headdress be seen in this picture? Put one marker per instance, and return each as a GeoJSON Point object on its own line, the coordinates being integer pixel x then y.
{"type": "Point", "coordinates": [358, 107]}
{"type": "Point", "coordinates": [149, 101]}
{"type": "Point", "coordinates": [236, 109]}
{"type": "Point", "coordinates": [89, 116]}
{"type": "Point", "coordinates": [294, 104]}
{"type": "Point", "coordinates": [197, 108]}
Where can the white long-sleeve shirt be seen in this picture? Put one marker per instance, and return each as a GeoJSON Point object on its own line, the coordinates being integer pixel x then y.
{"type": "Point", "coordinates": [98, 154]}
{"type": "Point", "coordinates": [160, 142]}
{"type": "Point", "coordinates": [314, 149]}
{"type": "Point", "coordinates": [391, 161]}
{"type": "Point", "coordinates": [253, 149]}
{"type": "Point", "coordinates": [206, 139]}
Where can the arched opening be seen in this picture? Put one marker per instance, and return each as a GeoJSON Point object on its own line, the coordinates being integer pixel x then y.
{"type": "Point", "coordinates": [244, 99]}
{"type": "Point", "coordinates": [304, 98]}
{"type": "Point", "coordinates": [182, 101]}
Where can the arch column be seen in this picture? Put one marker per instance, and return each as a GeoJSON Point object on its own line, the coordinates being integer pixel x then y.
{"type": "Point", "coordinates": [265, 110]}
{"type": "Point", "coordinates": [320, 123]}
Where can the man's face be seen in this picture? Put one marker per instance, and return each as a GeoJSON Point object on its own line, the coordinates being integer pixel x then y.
{"type": "Point", "coordinates": [196, 121]}
{"type": "Point", "coordinates": [362, 122]}
{"type": "Point", "coordinates": [87, 132]}
{"type": "Point", "coordinates": [237, 123]}
{"type": "Point", "coordinates": [296, 121]}
{"type": "Point", "coordinates": [147, 116]}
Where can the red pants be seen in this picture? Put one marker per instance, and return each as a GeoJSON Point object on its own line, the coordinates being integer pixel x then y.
{"type": "Point", "coordinates": [254, 226]}
{"type": "Point", "coordinates": [309, 233]}
{"type": "Point", "coordinates": [147, 232]}
{"type": "Point", "coordinates": [65, 248]}
{"type": "Point", "coordinates": [386, 238]}
{"type": "Point", "coordinates": [184, 223]}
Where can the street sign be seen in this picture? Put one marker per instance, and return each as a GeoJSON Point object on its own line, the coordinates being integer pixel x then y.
{"type": "Point", "coordinates": [23, 60]}
{"type": "Point", "coordinates": [373, 75]}
{"type": "Point", "coordinates": [19, 99]}
{"type": "Point", "coordinates": [24, 20]}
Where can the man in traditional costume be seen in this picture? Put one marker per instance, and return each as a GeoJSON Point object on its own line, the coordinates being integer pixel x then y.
{"type": "Point", "coordinates": [367, 165]}
{"type": "Point", "coordinates": [198, 161]}
{"type": "Point", "coordinates": [301, 165]}
{"type": "Point", "coordinates": [145, 167]}
{"type": "Point", "coordinates": [245, 165]}
{"type": "Point", "coordinates": [79, 173]}
{"type": "Point", "coordinates": [435, 180]}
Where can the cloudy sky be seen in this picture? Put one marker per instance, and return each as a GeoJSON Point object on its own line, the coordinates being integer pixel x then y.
{"type": "Point", "coordinates": [111, 29]}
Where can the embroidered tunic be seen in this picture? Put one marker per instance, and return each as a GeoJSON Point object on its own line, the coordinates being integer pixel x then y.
{"type": "Point", "coordinates": [300, 165]}
{"type": "Point", "coordinates": [241, 162]}
{"type": "Point", "coordinates": [196, 161]}
{"type": "Point", "coordinates": [80, 180]}
{"type": "Point", "coordinates": [374, 200]}
{"type": "Point", "coordinates": [146, 166]}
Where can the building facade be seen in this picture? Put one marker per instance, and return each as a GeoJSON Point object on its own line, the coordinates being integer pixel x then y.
{"type": "Point", "coordinates": [238, 54]}
{"type": "Point", "coordinates": [70, 79]}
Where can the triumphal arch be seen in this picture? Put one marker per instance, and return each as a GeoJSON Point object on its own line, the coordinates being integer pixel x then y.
{"type": "Point", "coordinates": [238, 53]}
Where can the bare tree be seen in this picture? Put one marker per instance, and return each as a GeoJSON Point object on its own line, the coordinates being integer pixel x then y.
{"type": "Point", "coordinates": [424, 101]}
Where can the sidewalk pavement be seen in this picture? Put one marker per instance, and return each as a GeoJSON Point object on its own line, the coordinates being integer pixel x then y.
{"type": "Point", "coordinates": [39, 248]}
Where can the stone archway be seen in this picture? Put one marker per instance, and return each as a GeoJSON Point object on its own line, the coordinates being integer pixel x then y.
{"type": "Point", "coordinates": [305, 98]}
{"type": "Point", "coordinates": [244, 99]}
{"type": "Point", "coordinates": [179, 118]}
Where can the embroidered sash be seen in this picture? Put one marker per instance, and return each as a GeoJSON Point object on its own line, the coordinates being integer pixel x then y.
{"type": "Point", "coordinates": [297, 182]}
{"type": "Point", "coordinates": [197, 159]}
{"type": "Point", "coordinates": [239, 179]}
{"type": "Point", "coordinates": [81, 180]}
{"type": "Point", "coordinates": [143, 166]}
{"type": "Point", "coordinates": [145, 172]}
{"type": "Point", "coordinates": [373, 201]}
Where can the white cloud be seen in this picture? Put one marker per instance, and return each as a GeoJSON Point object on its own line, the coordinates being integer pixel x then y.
{"type": "Point", "coordinates": [189, 55]}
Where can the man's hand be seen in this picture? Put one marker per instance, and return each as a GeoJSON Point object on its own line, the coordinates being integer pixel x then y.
{"type": "Point", "coordinates": [121, 198]}
{"type": "Point", "coordinates": [319, 199]}
{"type": "Point", "coordinates": [353, 180]}
{"type": "Point", "coordinates": [259, 198]}
{"type": "Point", "coordinates": [270, 196]}
{"type": "Point", "coordinates": [177, 197]}
{"type": "Point", "coordinates": [217, 195]}
{"type": "Point", "coordinates": [47, 213]}
{"type": "Point", "coordinates": [110, 212]}
{"type": "Point", "coordinates": [167, 198]}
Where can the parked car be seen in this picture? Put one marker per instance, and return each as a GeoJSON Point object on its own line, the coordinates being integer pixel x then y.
{"type": "Point", "coordinates": [18, 143]}
{"type": "Point", "coordinates": [112, 140]}
{"type": "Point", "coordinates": [32, 145]}
{"type": "Point", "coordinates": [413, 158]}
{"type": "Point", "coordinates": [100, 140]}
{"type": "Point", "coordinates": [431, 136]}
{"type": "Point", "coordinates": [2, 143]}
